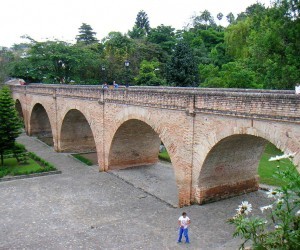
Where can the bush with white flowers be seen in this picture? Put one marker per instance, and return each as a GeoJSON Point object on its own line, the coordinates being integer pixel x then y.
{"type": "Point", "coordinates": [281, 229]}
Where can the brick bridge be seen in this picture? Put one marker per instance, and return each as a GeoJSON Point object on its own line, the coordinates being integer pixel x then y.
{"type": "Point", "coordinates": [215, 137]}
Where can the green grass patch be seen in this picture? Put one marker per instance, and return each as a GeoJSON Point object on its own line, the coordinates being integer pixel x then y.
{"type": "Point", "coordinates": [12, 167]}
{"type": "Point", "coordinates": [164, 156]}
{"type": "Point", "coordinates": [83, 159]}
{"type": "Point", "coordinates": [29, 163]}
{"type": "Point", "coordinates": [267, 169]}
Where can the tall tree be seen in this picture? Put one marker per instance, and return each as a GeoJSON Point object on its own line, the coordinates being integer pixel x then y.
{"type": "Point", "coordinates": [10, 124]}
{"type": "Point", "coordinates": [86, 34]}
{"type": "Point", "coordinates": [205, 19]}
{"type": "Point", "coordinates": [142, 21]}
{"type": "Point", "coordinates": [182, 69]}
{"type": "Point", "coordinates": [164, 36]}
{"type": "Point", "coordinates": [230, 18]}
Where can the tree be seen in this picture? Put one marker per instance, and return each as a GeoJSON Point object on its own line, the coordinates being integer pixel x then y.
{"type": "Point", "coordinates": [220, 17]}
{"type": "Point", "coordinates": [182, 69]}
{"type": "Point", "coordinates": [10, 124]}
{"type": "Point", "coordinates": [142, 21]}
{"type": "Point", "coordinates": [230, 18]}
{"type": "Point", "coordinates": [148, 74]}
{"type": "Point", "coordinates": [164, 36]}
{"type": "Point", "coordinates": [205, 19]}
{"type": "Point", "coordinates": [86, 34]}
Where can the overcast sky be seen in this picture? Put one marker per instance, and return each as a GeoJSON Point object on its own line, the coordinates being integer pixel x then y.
{"type": "Point", "coordinates": [60, 19]}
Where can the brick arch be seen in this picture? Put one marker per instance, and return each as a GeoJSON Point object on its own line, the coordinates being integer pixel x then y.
{"type": "Point", "coordinates": [157, 127]}
{"type": "Point", "coordinates": [75, 133]}
{"type": "Point", "coordinates": [135, 143]}
{"type": "Point", "coordinates": [230, 164]}
{"type": "Point", "coordinates": [40, 123]}
{"type": "Point", "coordinates": [93, 117]}
{"type": "Point", "coordinates": [19, 109]}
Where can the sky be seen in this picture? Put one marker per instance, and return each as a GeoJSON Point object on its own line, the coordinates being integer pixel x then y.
{"type": "Point", "coordinates": [61, 19]}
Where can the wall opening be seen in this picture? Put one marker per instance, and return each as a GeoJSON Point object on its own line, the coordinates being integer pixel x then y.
{"type": "Point", "coordinates": [133, 157]}
{"type": "Point", "coordinates": [19, 109]}
{"type": "Point", "coordinates": [231, 168]}
{"type": "Point", "coordinates": [40, 125]}
{"type": "Point", "coordinates": [76, 134]}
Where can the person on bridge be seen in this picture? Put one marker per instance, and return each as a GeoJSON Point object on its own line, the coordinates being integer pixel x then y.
{"type": "Point", "coordinates": [183, 223]}
{"type": "Point", "coordinates": [115, 85]}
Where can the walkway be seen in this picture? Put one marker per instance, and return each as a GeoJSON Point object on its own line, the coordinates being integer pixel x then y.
{"type": "Point", "coordinates": [84, 209]}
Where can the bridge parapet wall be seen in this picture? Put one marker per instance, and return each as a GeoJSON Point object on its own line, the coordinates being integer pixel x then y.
{"type": "Point", "coordinates": [275, 106]}
{"type": "Point", "coordinates": [257, 104]}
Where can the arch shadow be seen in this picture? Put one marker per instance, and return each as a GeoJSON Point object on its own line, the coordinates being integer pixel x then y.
{"type": "Point", "coordinates": [40, 125]}
{"type": "Point", "coordinates": [19, 109]}
{"type": "Point", "coordinates": [133, 156]}
{"type": "Point", "coordinates": [76, 134]}
{"type": "Point", "coordinates": [231, 168]}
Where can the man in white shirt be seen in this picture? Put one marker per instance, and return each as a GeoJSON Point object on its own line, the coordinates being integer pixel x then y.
{"type": "Point", "coordinates": [183, 223]}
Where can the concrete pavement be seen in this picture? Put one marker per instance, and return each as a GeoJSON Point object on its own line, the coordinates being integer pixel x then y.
{"type": "Point", "coordinates": [86, 209]}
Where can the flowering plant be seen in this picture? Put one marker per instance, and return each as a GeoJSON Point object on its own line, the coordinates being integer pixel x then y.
{"type": "Point", "coordinates": [282, 229]}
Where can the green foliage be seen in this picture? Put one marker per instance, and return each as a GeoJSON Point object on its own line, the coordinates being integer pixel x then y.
{"type": "Point", "coordinates": [142, 22]}
{"type": "Point", "coordinates": [262, 42]}
{"type": "Point", "coordinates": [34, 164]}
{"type": "Point", "coordinates": [149, 74]}
{"type": "Point", "coordinates": [164, 156]}
{"type": "Point", "coordinates": [231, 75]}
{"type": "Point", "coordinates": [164, 36]}
{"type": "Point", "coordinates": [205, 19]}
{"type": "Point", "coordinates": [86, 35]}
{"type": "Point", "coordinates": [59, 62]}
{"type": "Point", "coordinates": [6, 57]}
{"type": "Point", "coordinates": [10, 124]}
{"type": "Point", "coordinates": [182, 68]}
{"type": "Point", "coordinates": [83, 159]}
{"type": "Point", "coordinates": [282, 229]}
{"type": "Point", "coordinates": [267, 169]}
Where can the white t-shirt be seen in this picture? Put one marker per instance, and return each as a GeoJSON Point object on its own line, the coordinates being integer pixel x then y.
{"type": "Point", "coordinates": [184, 221]}
{"type": "Point", "coordinates": [297, 90]}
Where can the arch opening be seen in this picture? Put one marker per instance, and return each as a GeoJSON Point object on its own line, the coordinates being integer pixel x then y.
{"type": "Point", "coordinates": [133, 156]}
{"type": "Point", "coordinates": [231, 168]}
{"type": "Point", "coordinates": [76, 134]}
{"type": "Point", "coordinates": [40, 125]}
{"type": "Point", "coordinates": [19, 109]}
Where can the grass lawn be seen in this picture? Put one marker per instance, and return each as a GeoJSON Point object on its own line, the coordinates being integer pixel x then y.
{"type": "Point", "coordinates": [266, 169]}
{"type": "Point", "coordinates": [11, 167]}
{"type": "Point", "coordinates": [83, 159]}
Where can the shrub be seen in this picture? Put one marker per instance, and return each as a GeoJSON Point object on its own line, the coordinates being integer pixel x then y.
{"type": "Point", "coordinates": [282, 230]}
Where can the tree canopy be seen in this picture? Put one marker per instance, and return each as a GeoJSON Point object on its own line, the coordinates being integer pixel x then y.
{"type": "Point", "coordinates": [258, 49]}
{"type": "Point", "coordinates": [86, 34]}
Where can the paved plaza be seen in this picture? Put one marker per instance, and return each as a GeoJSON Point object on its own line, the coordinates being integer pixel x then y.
{"type": "Point", "coordinates": [126, 209]}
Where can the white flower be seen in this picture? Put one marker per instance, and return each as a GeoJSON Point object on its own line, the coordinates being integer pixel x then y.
{"type": "Point", "coordinates": [265, 208]}
{"type": "Point", "coordinates": [244, 208]}
{"type": "Point", "coordinates": [279, 201]}
{"type": "Point", "coordinates": [298, 213]}
{"type": "Point", "coordinates": [284, 156]}
{"type": "Point", "coordinates": [274, 194]}
{"type": "Point", "coordinates": [277, 226]}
